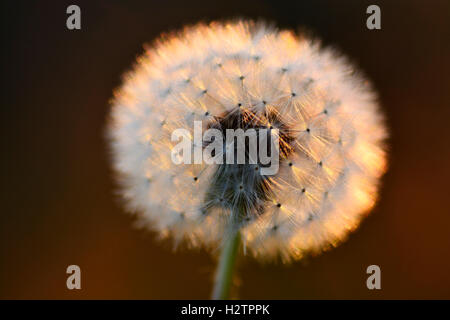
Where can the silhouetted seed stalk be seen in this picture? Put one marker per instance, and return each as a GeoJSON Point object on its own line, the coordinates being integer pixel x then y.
{"type": "Point", "coordinates": [224, 274]}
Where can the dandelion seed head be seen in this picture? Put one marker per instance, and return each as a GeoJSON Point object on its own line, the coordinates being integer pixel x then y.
{"type": "Point", "coordinates": [331, 139]}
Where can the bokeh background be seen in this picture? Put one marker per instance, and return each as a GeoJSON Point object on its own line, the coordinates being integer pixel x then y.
{"type": "Point", "coordinates": [57, 192]}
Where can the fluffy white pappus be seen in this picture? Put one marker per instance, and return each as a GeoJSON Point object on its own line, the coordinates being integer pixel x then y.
{"type": "Point", "coordinates": [335, 133]}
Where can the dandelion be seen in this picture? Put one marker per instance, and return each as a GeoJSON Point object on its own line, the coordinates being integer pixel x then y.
{"type": "Point", "coordinates": [248, 75]}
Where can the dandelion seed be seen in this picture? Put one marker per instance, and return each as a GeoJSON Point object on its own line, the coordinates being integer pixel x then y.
{"type": "Point", "coordinates": [327, 148]}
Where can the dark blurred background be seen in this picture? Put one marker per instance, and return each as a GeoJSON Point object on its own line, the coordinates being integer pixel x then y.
{"type": "Point", "coordinates": [57, 192]}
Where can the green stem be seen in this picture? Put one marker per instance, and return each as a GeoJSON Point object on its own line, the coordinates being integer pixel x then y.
{"type": "Point", "coordinates": [224, 272]}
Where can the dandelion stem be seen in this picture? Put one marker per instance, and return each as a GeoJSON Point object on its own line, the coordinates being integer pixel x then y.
{"type": "Point", "coordinates": [224, 272]}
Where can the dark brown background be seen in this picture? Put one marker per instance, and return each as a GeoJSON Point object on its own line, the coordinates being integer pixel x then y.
{"type": "Point", "coordinates": [57, 202]}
